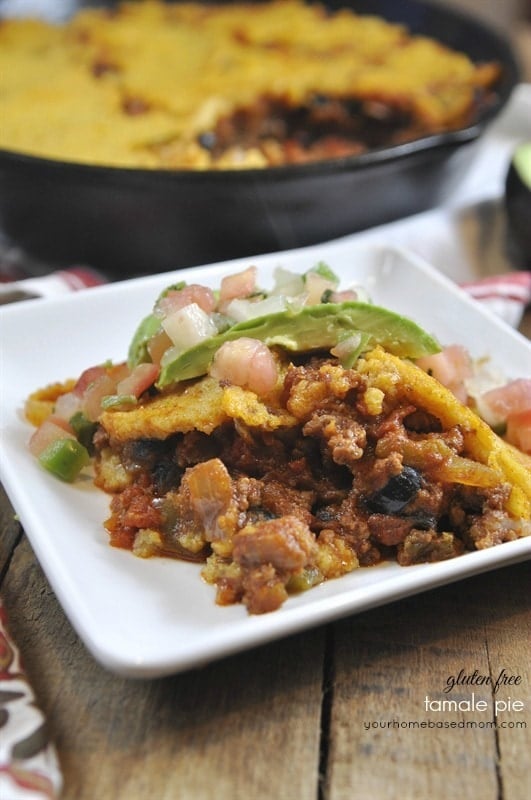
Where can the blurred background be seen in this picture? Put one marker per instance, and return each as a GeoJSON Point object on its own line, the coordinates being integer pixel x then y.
{"type": "Point", "coordinates": [511, 16]}
{"type": "Point", "coordinates": [179, 212]}
{"type": "Point", "coordinates": [502, 13]}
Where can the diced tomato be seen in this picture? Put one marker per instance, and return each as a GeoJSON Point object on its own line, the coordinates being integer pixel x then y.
{"type": "Point", "coordinates": [519, 430]}
{"type": "Point", "coordinates": [118, 371]}
{"type": "Point", "coordinates": [179, 298]}
{"type": "Point", "coordinates": [248, 363]}
{"type": "Point", "coordinates": [101, 387]}
{"type": "Point", "coordinates": [92, 374]}
{"type": "Point", "coordinates": [513, 398]}
{"type": "Point", "coordinates": [51, 430]}
{"type": "Point", "coordinates": [344, 296]}
{"type": "Point", "coordinates": [141, 378]}
{"type": "Point", "coordinates": [451, 367]}
{"type": "Point", "coordinates": [92, 385]}
{"type": "Point", "coordinates": [87, 378]}
{"type": "Point", "coordinates": [241, 284]}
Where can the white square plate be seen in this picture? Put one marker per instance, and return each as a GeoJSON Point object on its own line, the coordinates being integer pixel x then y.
{"type": "Point", "coordinates": [147, 618]}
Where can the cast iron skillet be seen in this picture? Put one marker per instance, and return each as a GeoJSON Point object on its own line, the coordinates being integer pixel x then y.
{"type": "Point", "coordinates": [135, 221]}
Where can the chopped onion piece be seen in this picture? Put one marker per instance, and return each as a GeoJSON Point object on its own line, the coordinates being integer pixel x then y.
{"type": "Point", "coordinates": [241, 310]}
{"type": "Point", "coordinates": [347, 349]}
{"type": "Point", "coordinates": [157, 345]}
{"type": "Point", "coordinates": [188, 326]}
{"type": "Point", "coordinates": [67, 405]}
{"type": "Point", "coordinates": [289, 284]}
{"type": "Point", "coordinates": [316, 287]}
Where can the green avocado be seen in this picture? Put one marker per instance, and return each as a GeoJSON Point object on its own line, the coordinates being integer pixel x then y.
{"type": "Point", "coordinates": [522, 162]}
{"type": "Point", "coordinates": [318, 327]}
{"type": "Point", "coordinates": [149, 326]}
{"type": "Point", "coordinates": [518, 206]}
{"type": "Point", "coordinates": [138, 352]}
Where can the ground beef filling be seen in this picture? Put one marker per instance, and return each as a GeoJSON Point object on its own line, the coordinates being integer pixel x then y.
{"type": "Point", "coordinates": [275, 513]}
{"type": "Point", "coordinates": [324, 127]}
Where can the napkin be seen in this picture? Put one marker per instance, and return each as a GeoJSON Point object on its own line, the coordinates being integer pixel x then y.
{"type": "Point", "coordinates": [506, 295]}
{"type": "Point", "coordinates": [56, 283]}
{"type": "Point", "coordinates": [29, 769]}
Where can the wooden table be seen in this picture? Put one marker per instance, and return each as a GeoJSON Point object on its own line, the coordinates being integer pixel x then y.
{"type": "Point", "coordinates": [330, 714]}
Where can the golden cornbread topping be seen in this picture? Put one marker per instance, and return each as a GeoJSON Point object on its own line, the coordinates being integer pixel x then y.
{"type": "Point", "coordinates": [186, 85]}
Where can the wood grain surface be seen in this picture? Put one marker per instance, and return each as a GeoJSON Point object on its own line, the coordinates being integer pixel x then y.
{"type": "Point", "coordinates": [334, 713]}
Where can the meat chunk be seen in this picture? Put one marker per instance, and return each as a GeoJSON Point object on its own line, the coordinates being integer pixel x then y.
{"type": "Point", "coordinates": [131, 511]}
{"type": "Point", "coordinates": [264, 590]}
{"type": "Point", "coordinates": [269, 553]}
{"type": "Point", "coordinates": [285, 543]}
{"type": "Point", "coordinates": [344, 436]}
{"type": "Point", "coordinates": [388, 530]}
{"type": "Point", "coordinates": [492, 528]}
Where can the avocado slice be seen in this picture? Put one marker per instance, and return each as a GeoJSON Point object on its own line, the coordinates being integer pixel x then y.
{"type": "Point", "coordinates": [150, 325]}
{"type": "Point", "coordinates": [318, 327]}
{"type": "Point", "coordinates": [138, 352]}
{"type": "Point", "coordinates": [518, 206]}
{"type": "Point", "coordinates": [522, 162]}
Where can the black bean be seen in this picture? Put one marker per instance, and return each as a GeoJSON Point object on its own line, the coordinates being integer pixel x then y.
{"type": "Point", "coordinates": [143, 453]}
{"type": "Point", "coordinates": [397, 493]}
{"type": "Point", "coordinates": [259, 514]}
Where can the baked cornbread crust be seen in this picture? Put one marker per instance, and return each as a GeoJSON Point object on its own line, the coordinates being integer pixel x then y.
{"type": "Point", "coordinates": [188, 85]}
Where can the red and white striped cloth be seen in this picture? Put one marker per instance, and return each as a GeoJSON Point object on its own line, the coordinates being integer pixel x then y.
{"type": "Point", "coordinates": [55, 283]}
{"type": "Point", "coordinates": [506, 295]}
{"type": "Point", "coordinates": [29, 768]}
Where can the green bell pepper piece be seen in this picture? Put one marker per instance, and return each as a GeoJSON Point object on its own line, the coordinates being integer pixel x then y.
{"type": "Point", "coordinates": [65, 458]}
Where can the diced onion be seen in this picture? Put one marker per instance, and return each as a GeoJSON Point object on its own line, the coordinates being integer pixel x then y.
{"type": "Point", "coordinates": [241, 310]}
{"type": "Point", "coordinates": [347, 349]}
{"type": "Point", "coordinates": [289, 284]}
{"type": "Point", "coordinates": [188, 326]}
{"type": "Point", "coordinates": [316, 286]}
{"type": "Point", "coordinates": [67, 405]}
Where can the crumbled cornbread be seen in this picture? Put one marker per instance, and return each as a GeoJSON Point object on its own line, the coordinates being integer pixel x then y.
{"type": "Point", "coordinates": [187, 85]}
